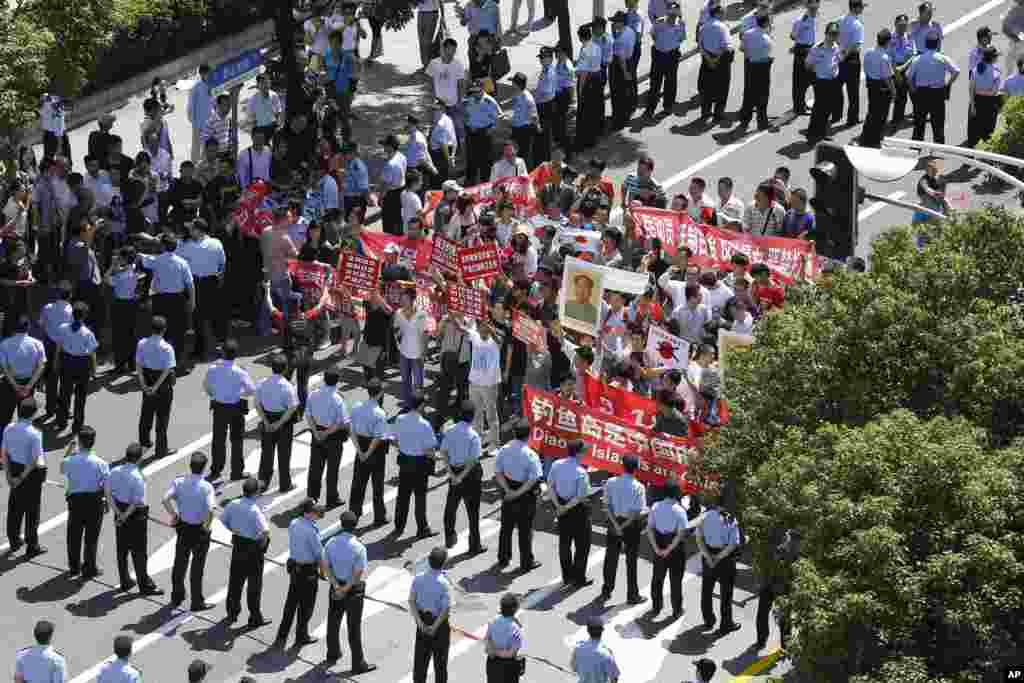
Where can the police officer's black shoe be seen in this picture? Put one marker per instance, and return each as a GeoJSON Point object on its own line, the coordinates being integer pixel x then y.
{"type": "Point", "coordinates": [450, 540]}
{"type": "Point", "coordinates": [636, 599]}
{"type": "Point", "coordinates": [305, 640]}
{"type": "Point", "coordinates": [128, 585]}
{"type": "Point", "coordinates": [606, 594]}
{"type": "Point", "coordinates": [726, 629]}
{"type": "Point", "coordinates": [153, 590]}
{"type": "Point", "coordinates": [200, 606]}
{"type": "Point", "coordinates": [478, 550]}
{"type": "Point", "coordinates": [709, 625]}
{"type": "Point", "coordinates": [335, 502]}
{"type": "Point", "coordinates": [332, 659]}
{"type": "Point", "coordinates": [73, 571]}
{"type": "Point", "coordinates": [426, 533]}
{"type": "Point", "coordinates": [231, 617]}
{"type": "Point", "coordinates": [35, 551]}
{"type": "Point", "coordinates": [280, 643]}
{"type": "Point", "coordinates": [91, 573]}
{"type": "Point", "coordinates": [146, 443]}
{"type": "Point", "coordinates": [383, 521]}
{"type": "Point", "coordinates": [529, 566]}
{"type": "Point", "coordinates": [177, 602]}
{"type": "Point", "coordinates": [15, 546]}
{"type": "Point", "coordinates": [676, 614]}
{"type": "Point", "coordinates": [583, 583]}
{"type": "Point", "coordinates": [655, 609]}
{"type": "Point", "coordinates": [363, 668]}
{"type": "Point", "coordinates": [258, 622]}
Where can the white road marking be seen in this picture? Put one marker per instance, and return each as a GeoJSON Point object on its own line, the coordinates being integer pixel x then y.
{"type": "Point", "coordinates": [863, 246]}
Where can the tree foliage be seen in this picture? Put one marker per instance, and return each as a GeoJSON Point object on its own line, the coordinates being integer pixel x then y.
{"type": "Point", "coordinates": [1009, 136]}
{"type": "Point", "coordinates": [23, 57]}
{"type": "Point", "coordinates": [81, 29]}
{"type": "Point", "coordinates": [877, 416]}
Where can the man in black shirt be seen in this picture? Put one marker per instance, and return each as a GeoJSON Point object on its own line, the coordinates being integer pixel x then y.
{"type": "Point", "coordinates": [115, 157]}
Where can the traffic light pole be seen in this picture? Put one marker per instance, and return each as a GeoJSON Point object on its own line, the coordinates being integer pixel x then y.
{"type": "Point", "coordinates": [904, 205]}
{"type": "Point", "coordinates": [971, 157]}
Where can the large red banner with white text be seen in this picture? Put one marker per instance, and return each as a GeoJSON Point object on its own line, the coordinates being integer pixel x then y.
{"type": "Point", "coordinates": [517, 189]}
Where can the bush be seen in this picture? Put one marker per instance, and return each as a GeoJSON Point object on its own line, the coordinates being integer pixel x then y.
{"type": "Point", "coordinates": [1009, 136]}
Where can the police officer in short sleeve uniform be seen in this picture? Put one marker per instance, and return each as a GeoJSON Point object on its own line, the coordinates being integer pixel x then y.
{"type": "Point", "coordinates": [277, 402]}
{"type": "Point", "coordinates": [22, 362]}
{"type": "Point", "coordinates": [926, 77]}
{"type": "Point", "coordinates": [625, 499]}
{"type": "Point", "coordinates": [592, 660]}
{"type": "Point", "coordinates": [715, 66]}
{"type": "Point", "coordinates": [879, 76]}
{"type": "Point", "coordinates": [190, 501]}
{"type": "Point", "coordinates": [250, 538]}
{"type": "Point", "coordinates": [76, 362]}
{"type": "Point", "coordinates": [369, 435]}
{"type": "Point", "coordinates": [823, 62]}
{"type": "Point", "coordinates": [328, 420]}
{"type": "Point", "coordinates": [429, 603]}
{"type": "Point", "coordinates": [518, 470]}
{"type": "Point", "coordinates": [460, 447]}
{"type": "Point", "coordinates": [504, 641]}
{"type": "Point", "coordinates": [416, 443]}
{"type": "Point", "coordinates": [344, 565]}
{"type": "Point", "coordinates": [25, 468]}
{"type": "Point", "coordinates": [120, 669]}
{"type": "Point", "coordinates": [803, 34]}
{"type": "Point", "coordinates": [155, 362]}
{"type": "Point", "coordinates": [305, 552]}
{"type": "Point", "coordinates": [86, 474]}
{"type": "Point", "coordinates": [851, 41]}
{"type": "Point", "coordinates": [569, 490]}
{"type": "Point", "coordinates": [40, 663]}
{"type": "Point", "coordinates": [126, 495]}
{"type": "Point", "coordinates": [226, 384]}
{"type": "Point", "coordinates": [173, 290]}
{"type": "Point", "coordinates": [666, 531]}
{"type": "Point", "coordinates": [718, 538]}
{"type": "Point", "coordinates": [53, 315]}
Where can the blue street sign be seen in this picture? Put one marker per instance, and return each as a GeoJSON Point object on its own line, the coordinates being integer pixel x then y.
{"type": "Point", "coordinates": [233, 72]}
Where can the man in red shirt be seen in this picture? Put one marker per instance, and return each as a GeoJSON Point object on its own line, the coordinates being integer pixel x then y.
{"type": "Point", "coordinates": [764, 292]}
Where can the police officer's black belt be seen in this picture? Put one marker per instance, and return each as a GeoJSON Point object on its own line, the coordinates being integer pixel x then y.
{"type": "Point", "coordinates": [715, 548]}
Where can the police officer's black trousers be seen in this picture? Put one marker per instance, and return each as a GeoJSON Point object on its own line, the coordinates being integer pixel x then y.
{"type": "Point", "coordinates": [802, 78]}
{"type": "Point", "coordinates": [279, 441]}
{"type": "Point", "coordinates": [849, 74]}
{"type": "Point", "coordinates": [983, 123]}
{"type": "Point", "coordinates": [765, 601]}
{"type": "Point", "coordinates": [193, 543]}
{"type": "Point", "coordinates": [478, 155]}
{"type": "Point", "coordinates": [468, 492]}
{"type": "Point", "coordinates": [879, 99]}
{"type": "Point", "coordinates": [23, 504]}
{"type": "Point", "coordinates": [300, 601]}
{"type": "Point", "coordinates": [8, 401]}
{"type": "Point", "coordinates": [664, 73]}
{"type": "Point", "coordinates": [53, 377]}
{"type": "Point", "coordinates": [172, 307]}
{"type": "Point", "coordinates": [560, 125]}
{"type": "Point", "coordinates": [590, 111]}
{"type": "Point", "coordinates": [351, 607]}
{"type": "Point", "coordinates": [723, 573]}
{"type": "Point", "coordinates": [518, 514]}
{"type": "Point", "coordinates": [826, 93]}
{"type": "Point", "coordinates": [930, 103]}
{"type": "Point", "coordinates": [391, 212]}
{"type": "Point", "coordinates": [757, 80]}
{"type": "Point", "coordinates": [246, 571]}
{"type": "Point", "coordinates": [621, 91]}
{"type": "Point", "coordinates": [431, 647]}
{"type": "Point", "coordinates": [85, 519]}
{"type": "Point", "coordinates": [299, 361]}
{"type": "Point", "coordinates": [210, 310]}
{"type": "Point", "coordinates": [543, 139]}
{"type": "Point", "coordinates": [326, 452]}
{"type": "Point", "coordinates": [713, 86]}
{"type": "Point", "coordinates": [123, 316]}
{"type": "Point", "coordinates": [454, 375]}
{"type": "Point", "coordinates": [365, 470]}
{"type": "Point", "coordinates": [673, 565]}
{"type": "Point", "coordinates": [156, 406]}
{"type": "Point", "coordinates": [132, 538]}
{"type": "Point", "coordinates": [574, 542]}
{"type": "Point", "coordinates": [630, 542]}
{"type": "Point", "coordinates": [227, 418]}
{"type": "Point", "coordinates": [412, 479]}
{"type": "Point", "coordinates": [92, 294]}
{"type": "Point", "coordinates": [503, 670]}
{"type": "Point", "coordinates": [523, 137]}
{"type": "Point", "coordinates": [74, 380]}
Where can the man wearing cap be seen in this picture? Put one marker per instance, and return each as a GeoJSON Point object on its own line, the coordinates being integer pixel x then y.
{"type": "Point", "coordinates": [344, 564]}
{"type": "Point", "coordinates": [517, 471]}
{"type": "Point", "coordinates": [592, 660]}
{"type": "Point", "coordinates": [25, 467]}
{"type": "Point", "coordinates": [879, 75]}
{"type": "Point", "coordinates": [926, 77]}
{"type": "Point", "coordinates": [126, 496]}
{"type": "Point", "coordinates": [173, 290]}
{"type": "Point", "coordinates": [416, 442]}
{"type": "Point", "coordinates": [119, 669]}
{"type": "Point", "coordinates": [460, 448]}
{"type": "Point", "coordinates": [86, 476]}
{"type": "Point", "coordinates": [924, 26]}
{"type": "Point", "coordinates": [226, 384]}
{"type": "Point", "coordinates": [250, 538]}
{"type": "Point", "coordinates": [503, 642]}
{"type": "Point", "coordinates": [190, 501]}
{"type": "Point", "coordinates": [40, 663]}
{"type": "Point", "coordinates": [666, 531]}
{"type": "Point", "coordinates": [154, 368]}
{"type": "Point", "coordinates": [803, 34]}
{"type": "Point", "coordinates": [197, 671]}
{"type": "Point", "coordinates": [525, 119]}
{"type": "Point", "coordinates": [902, 51]}
{"type": "Point", "coordinates": [392, 178]}
{"type": "Point", "coordinates": [621, 77]}
{"type": "Point", "coordinates": [327, 416]}
{"type": "Point", "coordinates": [823, 61]}
{"type": "Point", "coordinates": [305, 553]}
{"type": "Point", "coordinates": [718, 537]}
{"type": "Point", "coordinates": [625, 498]}
{"type": "Point", "coordinates": [481, 115]}
{"type": "Point", "coordinates": [369, 436]}
{"type": "Point", "coordinates": [668, 33]}
{"type": "Point", "coordinates": [429, 603]}
{"type": "Point", "coordinates": [22, 362]}
{"type": "Point", "coordinates": [569, 492]}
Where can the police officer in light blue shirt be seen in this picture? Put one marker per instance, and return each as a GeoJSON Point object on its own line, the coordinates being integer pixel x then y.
{"type": "Point", "coordinates": [625, 498]}
{"type": "Point", "coordinates": [76, 363]}
{"type": "Point", "coordinates": [206, 260]}
{"type": "Point", "coordinates": [250, 539]}
{"type": "Point", "coordinates": [226, 384]}
{"type": "Point", "coordinates": [53, 315]}
{"type": "Point", "coordinates": [461, 449]}
{"type": "Point", "coordinates": [119, 669]}
{"type": "Point", "coordinates": [277, 402]}
{"type": "Point", "coordinates": [621, 75]}
{"type": "Point", "coordinates": [851, 41]}
{"type": "Point", "coordinates": [328, 420]}
{"type": "Point", "coordinates": [22, 362]}
{"type": "Point", "coordinates": [715, 66]}
{"type": "Point", "coordinates": [924, 26]}
{"type": "Point", "coordinates": [126, 496]}
{"type": "Point", "coordinates": [525, 118]}
{"type": "Point", "coordinates": [370, 438]}
{"type": "Point", "coordinates": [416, 442]}
{"type": "Point", "coordinates": [481, 112]}
{"type": "Point", "coordinates": [544, 95]}
{"type": "Point", "coordinates": [1014, 85]}
{"type": "Point", "coordinates": [173, 290]}
{"type": "Point", "coordinates": [823, 62]}
{"type": "Point", "coordinates": [666, 530]}
{"type": "Point", "coordinates": [190, 501]}
{"type": "Point", "coordinates": [926, 77]}
{"type": "Point", "coordinates": [503, 642]}
{"type": "Point", "coordinates": [40, 663]}
{"type": "Point", "coordinates": [517, 470]}
{"type": "Point", "coordinates": [355, 184]}
{"type": "Point", "coordinates": [86, 474]}
{"type": "Point", "coordinates": [879, 74]}
{"type": "Point", "coordinates": [569, 491]}
{"type": "Point", "coordinates": [717, 539]}
{"type": "Point", "coordinates": [22, 448]}
{"type": "Point", "coordinates": [592, 660]}
{"type": "Point", "coordinates": [756, 45]}
{"type": "Point", "coordinates": [155, 362]}
{"type": "Point", "coordinates": [429, 603]}
{"type": "Point", "coordinates": [392, 177]}
{"type": "Point", "coordinates": [901, 51]}
{"type": "Point", "coordinates": [305, 552]}
{"type": "Point", "coordinates": [123, 278]}
{"type": "Point", "coordinates": [344, 564]}
{"type": "Point", "coordinates": [803, 34]}
{"type": "Point", "coordinates": [668, 33]}
{"type": "Point", "coordinates": [985, 92]}
{"type": "Point", "coordinates": [590, 75]}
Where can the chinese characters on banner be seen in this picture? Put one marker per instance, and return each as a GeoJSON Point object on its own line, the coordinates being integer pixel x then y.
{"type": "Point", "coordinates": [661, 224]}
{"type": "Point", "coordinates": [310, 276]}
{"type": "Point", "coordinates": [468, 301]}
{"type": "Point", "coordinates": [428, 302]}
{"type": "Point", "coordinates": [519, 190]}
{"type": "Point", "coordinates": [445, 255]}
{"type": "Point", "coordinates": [553, 422]}
{"type": "Point", "coordinates": [528, 330]}
{"type": "Point", "coordinates": [479, 262]}
{"type": "Point", "coordinates": [358, 273]}
{"type": "Point", "coordinates": [250, 214]}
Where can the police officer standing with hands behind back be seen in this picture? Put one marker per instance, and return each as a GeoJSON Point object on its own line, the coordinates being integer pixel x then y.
{"type": "Point", "coordinates": [226, 384]}
{"type": "Point", "coordinates": [823, 62]}
{"type": "Point", "coordinates": [155, 361]}
{"type": "Point", "coordinates": [277, 401]}
{"type": "Point", "coordinates": [25, 467]}
{"type": "Point", "coordinates": [460, 447]}
{"type": "Point", "coordinates": [503, 642]}
{"type": "Point", "coordinates": [369, 435]}
{"type": "Point", "coordinates": [517, 470]}
{"type": "Point", "coordinates": [250, 538]}
{"type": "Point", "coordinates": [86, 476]}
{"type": "Point", "coordinates": [119, 669]}
{"type": "Point", "coordinates": [344, 564]}
{"type": "Point", "coordinates": [851, 41]}
{"type": "Point", "coordinates": [305, 553]}
{"type": "Point", "coordinates": [430, 601]}
{"type": "Point", "coordinates": [126, 495]}
{"type": "Point", "coordinates": [718, 539]}
{"type": "Point", "coordinates": [190, 501]}
{"type": "Point", "coordinates": [416, 443]}
{"type": "Point", "coordinates": [569, 491]}
{"type": "Point", "coordinates": [926, 77]}
{"type": "Point", "coordinates": [22, 361]}
{"type": "Point", "coordinates": [626, 500]}
{"type": "Point", "coordinates": [328, 420]}
{"type": "Point", "coordinates": [40, 663]}
{"type": "Point", "coordinates": [666, 530]}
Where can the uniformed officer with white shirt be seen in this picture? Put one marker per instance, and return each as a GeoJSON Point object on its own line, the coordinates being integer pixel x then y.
{"type": "Point", "coordinates": [666, 531]}
{"type": "Point", "coordinates": [119, 669]}
{"type": "Point", "coordinates": [1014, 84]}
{"type": "Point", "coordinates": [344, 564]}
{"type": "Point", "coordinates": [569, 491]}
{"type": "Point", "coordinates": [369, 436]}
{"type": "Point", "coordinates": [86, 476]}
{"type": "Point", "coordinates": [517, 470]}
{"type": "Point", "coordinates": [206, 260]}
{"type": "Point", "coordinates": [461, 449]}
{"type": "Point", "coordinates": [126, 495]}
{"type": "Point", "coordinates": [416, 442]}
{"type": "Point", "coordinates": [803, 35]}
{"type": "Point", "coordinates": [53, 315]}
{"type": "Point", "coordinates": [277, 402]}
{"type": "Point", "coordinates": [851, 41]}
{"type": "Point", "coordinates": [823, 62]}
{"type": "Point", "coordinates": [25, 467]}
{"type": "Point", "coordinates": [503, 643]}
{"type": "Point", "coordinates": [756, 44]}
{"type": "Point", "coordinates": [250, 538]}
{"type": "Point", "coordinates": [592, 660]}
{"type": "Point", "coordinates": [226, 384]}
{"type": "Point", "coordinates": [305, 553]}
{"type": "Point", "coordinates": [879, 75]}
{"type": "Point", "coordinates": [718, 538]}
{"type": "Point", "coordinates": [715, 65]}
{"type": "Point", "coordinates": [40, 663]}
{"type": "Point", "coordinates": [328, 420]}
{"type": "Point", "coordinates": [76, 362]}
{"type": "Point", "coordinates": [173, 290]}
{"type": "Point", "coordinates": [155, 362]}
{"type": "Point", "coordinates": [22, 361]}
{"type": "Point", "coordinates": [430, 602]}
{"type": "Point", "coordinates": [926, 77]}
{"type": "Point", "coordinates": [625, 498]}
{"type": "Point", "coordinates": [190, 502]}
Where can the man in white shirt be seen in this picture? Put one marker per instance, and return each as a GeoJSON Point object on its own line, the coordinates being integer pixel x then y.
{"type": "Point", "coordinates": [411, 331]}
{"type": "Point", "coordinates": [254, 162]}
{"type": "Point", "coordinates": [730, 207]}
{"type": "Point", "coordinates": [265, 110]}
{"type": "Point", "coordinates": [444, 142]}
{"type": "Point", "coordinates": [509, 165]}
{"type": "Point", "coordinates": [485, 378]}
{"type": "Point", "coordinates": [448, 76]}
{"type": "Point", "coordinates": [200, 104]}
{"type": "Point", "coordinates": [700, 202]}
{"type": "Point", "coordinates": [715, 293]}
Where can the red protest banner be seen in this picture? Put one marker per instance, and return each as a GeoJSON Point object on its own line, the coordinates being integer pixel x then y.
{"type": "Point", "coordinates": [554, 421]}
{"type": "Point", "coordinates": [793, 259]}
{"type": "Point", "coordinates": [414, 254]}
{"type": "Point", "coordinates": [468, 301]}
{"type": "Point", "coordinates": [248, 215]}
{"type": "Point", "coordinates": [358, 273]}
{"type": "Point", "coordinates": [662, 224]}
{"type": "Point", "coordinates": [428, 300]}
{"type": "Point", "coordinates": [310, 275]}
{"type": "Point", "coordinates": [445, 256]}
{"type": "Point", "coordinates": [528, 330]}
{"type": "Point", "coordinates": [479, 262]}
{"type": "Point", "coordinates": [517, 189]}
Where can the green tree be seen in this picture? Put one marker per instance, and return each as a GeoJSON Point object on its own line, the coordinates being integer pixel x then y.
{"type": "Point", "coordinates": [876, 415]}
{"type": "Point", "coordinates": [23, 57]}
